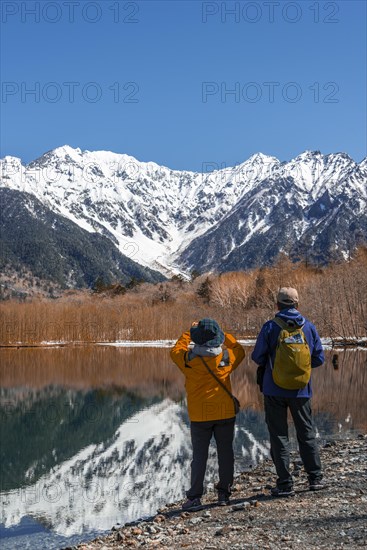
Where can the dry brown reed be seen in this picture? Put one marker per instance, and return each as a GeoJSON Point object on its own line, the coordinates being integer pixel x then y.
{"type": "Point", "coordinates": [334, 298]}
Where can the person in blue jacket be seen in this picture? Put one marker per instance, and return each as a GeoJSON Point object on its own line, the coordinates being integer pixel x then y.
{"type": "Point", "coordinates": [277, 400]}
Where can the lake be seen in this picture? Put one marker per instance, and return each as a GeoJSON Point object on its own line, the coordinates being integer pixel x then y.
{"type": "Point", "coordinates": [93, 436]}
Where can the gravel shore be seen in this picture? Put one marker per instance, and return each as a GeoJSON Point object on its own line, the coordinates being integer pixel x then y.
{"type": "Point", "coordinates": [333, 518]}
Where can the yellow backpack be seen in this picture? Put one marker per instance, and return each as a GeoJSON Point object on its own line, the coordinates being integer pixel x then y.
{"type": "Point", "coordinates": [292, 363]}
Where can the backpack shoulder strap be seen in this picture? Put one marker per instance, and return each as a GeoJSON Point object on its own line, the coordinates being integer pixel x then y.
{"type": "Point", "coordinates": [282, 324]}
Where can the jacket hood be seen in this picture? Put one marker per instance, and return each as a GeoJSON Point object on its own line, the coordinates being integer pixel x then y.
{"type": "Point", "coordinates": [291, 316]}
{"type": "Point", "coordinates": [206, 351]}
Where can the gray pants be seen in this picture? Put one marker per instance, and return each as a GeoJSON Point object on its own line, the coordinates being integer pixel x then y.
{"type": "Point", "coordinates": [276, 418]}
{"type": "Point", "coordinates": [201, 433]}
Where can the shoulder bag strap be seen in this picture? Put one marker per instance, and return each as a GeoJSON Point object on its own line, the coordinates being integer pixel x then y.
{"type": "Point", "coordinates": [217, 379]}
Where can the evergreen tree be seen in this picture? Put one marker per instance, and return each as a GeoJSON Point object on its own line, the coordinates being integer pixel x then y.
{"type": "Point", "coordinates": [205, 290]}
{"type": "Point", "coordinates": [134, 282]}
{"type": "Point", "coordinates": [99, 284]}
{"type": "Point", "coordinates": [195, 274]}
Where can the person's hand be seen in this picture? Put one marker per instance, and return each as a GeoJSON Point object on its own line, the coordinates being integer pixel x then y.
{"type": "Point", "coordinates": [194, 323]}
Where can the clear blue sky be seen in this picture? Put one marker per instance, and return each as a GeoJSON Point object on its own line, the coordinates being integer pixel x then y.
{"type": "Point", "coordinates": [181, 58]}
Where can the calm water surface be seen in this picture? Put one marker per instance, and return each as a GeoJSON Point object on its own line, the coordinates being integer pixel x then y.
{"type": "Point", "coordinates": [95, 436]}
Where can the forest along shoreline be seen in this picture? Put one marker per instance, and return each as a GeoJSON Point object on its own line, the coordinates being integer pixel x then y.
{"type": "Point", "coordinates": [332, 518]}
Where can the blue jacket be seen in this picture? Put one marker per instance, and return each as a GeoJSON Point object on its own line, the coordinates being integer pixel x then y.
{"type": "Point", "coordinates": [266, 345]}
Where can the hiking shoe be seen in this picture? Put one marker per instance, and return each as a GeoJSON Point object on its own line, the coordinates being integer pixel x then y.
{"type": "Point", "coordinates": [192, 505]}
{"type": "Point", "coordinates": [276, 492]}
{"type": "Point", "coordinates": [317, 485]}
{"type": "Point", "coordinates": [223, 500]}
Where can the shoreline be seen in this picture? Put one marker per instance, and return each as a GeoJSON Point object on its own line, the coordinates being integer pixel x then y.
{"type": "Point", "coordinates": [332, 518]}
{"type": "Point", "coordinates": [327, 342]}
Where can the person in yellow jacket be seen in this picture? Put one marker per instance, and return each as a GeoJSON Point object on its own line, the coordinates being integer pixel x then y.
{"type": "Point", "coordinates": [211, 408]}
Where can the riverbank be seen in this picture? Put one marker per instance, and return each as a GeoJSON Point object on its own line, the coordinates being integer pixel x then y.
{"type": "Point", "coordinates": [328, 343]}
{"type": "Point", "coordinates": [333, 518]}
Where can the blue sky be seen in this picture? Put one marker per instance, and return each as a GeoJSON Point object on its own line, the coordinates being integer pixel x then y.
{"type": "Point", "coordinates": [153, 79]}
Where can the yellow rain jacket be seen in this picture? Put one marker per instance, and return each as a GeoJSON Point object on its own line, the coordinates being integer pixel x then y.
{"type": "Point", "coordinates": [206, 399]}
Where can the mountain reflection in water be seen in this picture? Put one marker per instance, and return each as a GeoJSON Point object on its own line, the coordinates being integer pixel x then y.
{"type": "Point", "coordinates": [92, 436]}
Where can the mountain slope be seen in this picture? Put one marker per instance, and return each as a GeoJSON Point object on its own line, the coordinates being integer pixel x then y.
{"type": "Point", "coordinates": [55, 248]}
{"type": "Point", "coordinates": [265, 223]}
{"type": "Point", "coordinates": [232, 218]}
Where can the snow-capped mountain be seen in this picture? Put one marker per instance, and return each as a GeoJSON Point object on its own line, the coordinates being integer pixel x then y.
{"type": "Point", "coordinates": [232, 218]}
{"type": "Point", "coordinates": [52, 247]}
{"type": "Point", "coordinates": [145, 465]}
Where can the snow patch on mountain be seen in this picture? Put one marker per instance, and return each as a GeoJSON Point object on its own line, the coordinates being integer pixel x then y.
{"type": "Point", "coordinates": [156, 215]}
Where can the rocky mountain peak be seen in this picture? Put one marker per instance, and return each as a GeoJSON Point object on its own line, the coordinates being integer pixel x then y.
{"type": "Point", "coordinates": [224, 219]}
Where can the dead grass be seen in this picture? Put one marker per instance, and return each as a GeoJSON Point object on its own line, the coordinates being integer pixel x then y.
{"type": "Point", "coordinates": [334, 298]}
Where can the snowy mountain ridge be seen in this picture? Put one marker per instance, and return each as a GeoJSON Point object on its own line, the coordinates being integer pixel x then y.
{"type": "Point", "coordinates": [111, 482]}
{"type": "Point", "coordinates": [174, 221]}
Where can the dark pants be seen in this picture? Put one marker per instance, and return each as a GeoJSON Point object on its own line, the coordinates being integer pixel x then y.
{"type": "Point", "coordinates": [201, 433]}
{"type": "Point", "coordinates": [276, 419]}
